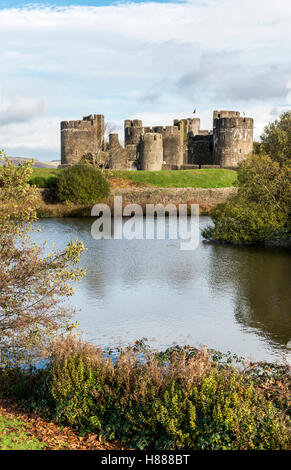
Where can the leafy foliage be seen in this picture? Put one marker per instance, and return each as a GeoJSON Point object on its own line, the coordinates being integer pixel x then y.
{"type": "Point", "coordinates": [181, 399]}
{"type": "Point", "coordinates": [276, 139]}
{"type": "Point", "coordinates": [84, 184]}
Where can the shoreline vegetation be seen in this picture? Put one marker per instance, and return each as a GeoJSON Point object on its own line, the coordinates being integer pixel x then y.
{"type": "Point", "coordinates": [182, 398]}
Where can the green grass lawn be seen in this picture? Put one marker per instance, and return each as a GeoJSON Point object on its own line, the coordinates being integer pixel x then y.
{"type": "Point", "coordinates": [204, 178]}
{"type": "Point", "coordinates": [13, 436]}
{"type": "Point", "coordinates": [45, 177]}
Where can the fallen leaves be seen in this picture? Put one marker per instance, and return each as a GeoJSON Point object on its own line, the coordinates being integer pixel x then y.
{"type": "Point", "coordinates": [51, 435]}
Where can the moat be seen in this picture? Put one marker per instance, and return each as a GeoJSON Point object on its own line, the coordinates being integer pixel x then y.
{"type": "Point", "coordinates": [230, 298]}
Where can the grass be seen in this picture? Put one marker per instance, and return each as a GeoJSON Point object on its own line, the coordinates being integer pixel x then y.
{"type": "Point", "coordinates": [204, 178]}
{"type": "Point", "coordinates": [13, 436]}
{"type": "Point", "coordinates": [45, 177]}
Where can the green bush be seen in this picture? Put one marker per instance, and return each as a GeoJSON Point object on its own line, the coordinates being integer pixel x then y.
{"type": "Point", "coordinates": [246, 222]}
{"type": "Point", "coordinates": [83, 184]}
{"type": "Point", "coordinates": [181, 399]}
{"type": "Point", "coordinates": [44, 182]}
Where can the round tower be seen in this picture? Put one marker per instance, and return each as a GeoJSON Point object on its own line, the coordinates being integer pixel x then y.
{"type": "Point", "coordinates": [151, 152]}
{"type": "Point", "coordinates": [232, 140]}
{"type": "Point", "coordinates": [82, 137]}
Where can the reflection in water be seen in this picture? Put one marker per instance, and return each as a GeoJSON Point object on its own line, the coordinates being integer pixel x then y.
{"type": "Point", "coordinates": [261, 280]}
{"type": "Point", "coordinates": [230, 298]}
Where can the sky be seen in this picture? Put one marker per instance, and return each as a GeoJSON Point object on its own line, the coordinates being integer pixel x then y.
{"type": "Point", "coordinates": [150, 60]}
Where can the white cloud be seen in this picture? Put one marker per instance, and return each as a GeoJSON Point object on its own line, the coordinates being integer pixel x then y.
{"type": "Point", "coordinates": [38, 138]}
{"type": "Point", "coordinates": [20, 109]}
{"type": "Point", "coordinates": [154, 60]}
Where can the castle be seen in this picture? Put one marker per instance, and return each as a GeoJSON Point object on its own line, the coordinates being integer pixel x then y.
{"type": "Point", "coordinates": [181, 146]}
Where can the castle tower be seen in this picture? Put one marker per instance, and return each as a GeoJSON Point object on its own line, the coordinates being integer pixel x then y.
{"type": "Point", "coordinates": [133, 130]}
{"type": "Point", "coordinates": [232, 138]}
{"type": "Point", "coordinates": [190, 125]}
{"type": "Point", "coordinates": [189, 128]}
{"type": "Point", "coordinates": [117, 154]}
{"type": "Point", "coordinates": [172, 144]}
{"type": "Point", "coordinates": [151, 152]}
{"type": "Point", "coordinates": [79, 138]}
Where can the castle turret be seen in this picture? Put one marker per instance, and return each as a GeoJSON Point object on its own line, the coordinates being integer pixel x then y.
{"type": "Point", "coordinates": [82, 137]}
{"type": "Point", "coordinates": [232, 138]}
{"type": "Point", "coordinates": [172, 144]}
{"type": "Point", "coordinates": [151, 151]}
{"type": "Point", "coordinates": [117, 154]}
{"type": "Point", "coordinates": [132, 131]}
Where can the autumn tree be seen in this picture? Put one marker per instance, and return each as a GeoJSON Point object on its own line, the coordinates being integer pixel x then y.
{"type": "Point", "coordinates": [34, 285]}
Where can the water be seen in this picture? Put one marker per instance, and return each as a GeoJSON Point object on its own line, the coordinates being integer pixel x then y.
{"type": "Point", "coordinates": [229, 298]}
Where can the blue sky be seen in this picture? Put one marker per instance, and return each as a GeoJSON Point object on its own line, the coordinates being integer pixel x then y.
{"type": "Point", "coordinates": [9, 4]}
{"type": "Point", "coordinates": [154, 61]}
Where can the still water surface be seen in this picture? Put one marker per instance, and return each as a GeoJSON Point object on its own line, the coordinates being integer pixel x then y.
{"type": "Point", "coordinates": [229, 298]}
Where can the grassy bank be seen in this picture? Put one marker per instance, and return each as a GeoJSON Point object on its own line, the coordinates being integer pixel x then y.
{"type": "Point", "coordinates": [204, 178]}
{"type": "Point", "coordinates": [183, 398]}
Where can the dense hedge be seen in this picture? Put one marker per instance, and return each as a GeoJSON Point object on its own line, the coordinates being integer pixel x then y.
{"type": "Point", "coordinates": [181, 399]}
{"type": "Point", "coordinates": [83, 184]}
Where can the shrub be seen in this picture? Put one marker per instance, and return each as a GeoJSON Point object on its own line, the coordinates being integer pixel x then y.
{"type": "Point", "coordinates": [246, 222]}
{"type": "Point", "coordinates": [44, 182]}
{"type": "Point", "coordinates": [82, 184]}
{"type": "Point", "coordinates": [182, 399]}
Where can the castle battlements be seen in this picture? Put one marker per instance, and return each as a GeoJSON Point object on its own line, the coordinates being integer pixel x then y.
{"type": "Point", "coordinates": [183, 143]}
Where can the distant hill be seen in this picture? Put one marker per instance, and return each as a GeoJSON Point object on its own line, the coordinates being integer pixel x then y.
{"type": "Point", "coordinates": [37, 163]}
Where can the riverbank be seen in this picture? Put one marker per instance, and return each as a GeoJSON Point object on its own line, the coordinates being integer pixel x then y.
{"type": "Point", "coordinates": [207, 198]}
{"type": "Point", "coordinates": [182, 398]}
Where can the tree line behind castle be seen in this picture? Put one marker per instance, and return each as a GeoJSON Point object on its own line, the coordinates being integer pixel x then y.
{"type": "Point", "coordinates": [181, 146]}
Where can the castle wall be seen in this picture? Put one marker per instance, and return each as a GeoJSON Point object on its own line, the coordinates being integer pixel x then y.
{"type": "Point", "coordinates": [232, 140]}
{"type": "Point", "coordinates": [200, 148]}
{"type": "Point", "coordinates": [151, 152]}
{"type": "Point", "coordinates": [81, 137]}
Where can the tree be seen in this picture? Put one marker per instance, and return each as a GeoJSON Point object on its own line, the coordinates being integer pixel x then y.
{"type": "Point", "coordinates": [261, 209]}
{"type": "Point", "coordinates": [276, 139]}
{"type": "Point", "coordinates": [33, 285]}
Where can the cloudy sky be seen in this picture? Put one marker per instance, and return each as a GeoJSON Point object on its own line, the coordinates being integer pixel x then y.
{"type": "Point", "coordinates": [150, 60]}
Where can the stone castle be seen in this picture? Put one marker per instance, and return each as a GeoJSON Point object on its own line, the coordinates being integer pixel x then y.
{"type": "Point", "coordinates": [181, 146]}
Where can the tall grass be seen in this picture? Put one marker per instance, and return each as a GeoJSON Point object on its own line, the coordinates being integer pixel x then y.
{"type": "Point", "coordinates": [181, 399]}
